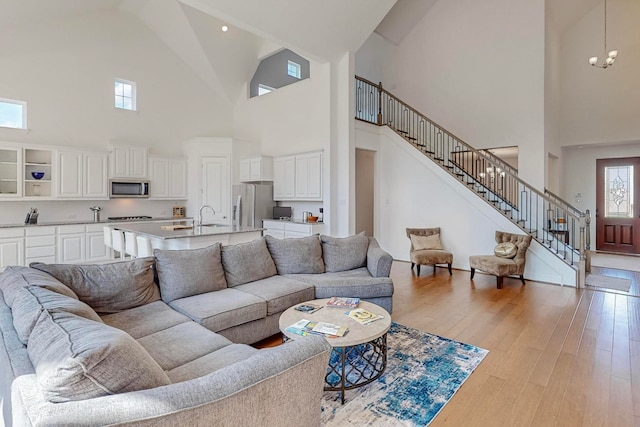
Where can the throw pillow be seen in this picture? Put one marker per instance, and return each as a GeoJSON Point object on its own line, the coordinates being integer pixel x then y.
{"type": "Point", "coordinates": [185, 273]}
{"type": "Point", "coordinates": [296, 256]}
{"type": "Point", "coordinates": [506, 250]}
{"type": "Point", "coordinates": [426, 242]}
{"type": "Point", "coordinates": [344, 253]}
{"type": "Point", "coordinates": [77, 358]}
{"type": "Point", "coordinates": [247, 262]}
{"type": "Point", "coordinates": [30, 301]}
{"type": "Point", "coordinates": [108, 288]}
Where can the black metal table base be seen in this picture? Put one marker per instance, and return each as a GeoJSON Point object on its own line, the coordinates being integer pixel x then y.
{"type": "Point", "coordinates": [356, 366]}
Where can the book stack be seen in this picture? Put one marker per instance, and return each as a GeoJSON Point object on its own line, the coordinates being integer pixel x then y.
{"type": "Point", "coordinates": [305, 327]}
{"type": "Point", "coordinates": [339, 302]}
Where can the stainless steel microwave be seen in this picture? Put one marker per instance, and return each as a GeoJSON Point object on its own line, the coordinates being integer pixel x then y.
{"type": "Point", "coordinates": [128, 188]}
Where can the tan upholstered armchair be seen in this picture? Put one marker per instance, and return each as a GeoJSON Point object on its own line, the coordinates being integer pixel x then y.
{"type": "Point", "coordinates": [501, 266]}
{"type": "Point", "coordinates": [426, 248]}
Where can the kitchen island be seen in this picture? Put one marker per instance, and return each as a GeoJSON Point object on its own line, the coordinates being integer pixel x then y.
{"type": "Point", "coordinates": [191, 236]}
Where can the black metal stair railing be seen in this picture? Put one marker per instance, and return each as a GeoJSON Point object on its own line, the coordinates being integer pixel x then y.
{"type": "Point", "coordinates": [554, 223]}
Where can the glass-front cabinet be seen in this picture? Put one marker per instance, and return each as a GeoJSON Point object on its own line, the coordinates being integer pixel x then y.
{"type": "Point", "coordinates": [10, 172]}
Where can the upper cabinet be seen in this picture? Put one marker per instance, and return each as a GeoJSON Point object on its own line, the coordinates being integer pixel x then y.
{"type": "Point", "coordinates": [168, 178]}
{"type": "Point", "coordinates": [258, 168]}
{"type": "Point", "coordinates": [128, 161]}
{"type": "Point", "coordinates": [38, 172]}
{"type": "Point", "coordinates": [82, 175]}
{"type": "Point", "coordinates": [10, 172]}
{"type": "Point", "coordinates": [298, 177]}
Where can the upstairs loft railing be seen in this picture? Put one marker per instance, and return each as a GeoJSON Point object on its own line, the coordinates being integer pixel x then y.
{"type": "Point", "coordinates": [554, 223]}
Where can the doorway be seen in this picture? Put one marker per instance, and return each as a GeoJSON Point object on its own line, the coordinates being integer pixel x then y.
{"type": "Point", "coordinates": [365, 165]}
{"type": "Point", "coordinates": [617, 216]}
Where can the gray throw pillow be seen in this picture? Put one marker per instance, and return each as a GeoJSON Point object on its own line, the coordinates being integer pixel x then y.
{"type": "Point", "coordinates": [344, 253]}
{"type": "Point", "coordinates": [296, 256]}
{"type": "Point", "coordinates": [76, 359]}
{"type": "Point", "coordinates": [185, 273]}
{"type": "Point", "coordinates": [247, 262]}
{"type": "Point", "coordinates": [108, 288]}
{"type": "Point", "coordinates": [30, 301]}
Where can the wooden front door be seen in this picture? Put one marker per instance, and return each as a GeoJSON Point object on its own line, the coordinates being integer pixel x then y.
{"type": "Point", "coordinates": [617, 211]}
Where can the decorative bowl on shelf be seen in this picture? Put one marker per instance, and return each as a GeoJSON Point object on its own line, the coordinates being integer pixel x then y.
{"type": "Point", "coordinates": [37, 175]}
{"type": "Point", "coordinates": [312, 219]}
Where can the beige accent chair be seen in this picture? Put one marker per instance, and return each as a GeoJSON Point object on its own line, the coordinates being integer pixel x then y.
{"type": "Point", "coordinates": [501, 267]}
{"type": "Point", "coordinates": [428, 256]}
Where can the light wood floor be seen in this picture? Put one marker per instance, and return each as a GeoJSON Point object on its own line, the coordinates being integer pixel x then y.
{"type": "Point", "coordinates": [558, 356]}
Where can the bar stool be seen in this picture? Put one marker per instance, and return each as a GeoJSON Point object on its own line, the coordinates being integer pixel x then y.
{"type": "Point", "coordinates": [117, 243]}
{"type": "Point", "coordinates": [130, 244]}
{"type": "Point", "coordinates": [106, 231]}
{"type": "Point", "coordinates": [144, 246]}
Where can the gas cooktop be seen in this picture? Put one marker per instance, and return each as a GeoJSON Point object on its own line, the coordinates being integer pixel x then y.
{"type": "Point", "coordinates": [128, 218]}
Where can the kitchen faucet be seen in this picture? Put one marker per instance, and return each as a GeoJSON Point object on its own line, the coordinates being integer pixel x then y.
{"type": "Point", "coordinates": [200, 216]}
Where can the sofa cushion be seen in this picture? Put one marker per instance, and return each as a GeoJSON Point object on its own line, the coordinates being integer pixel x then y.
{"type": "Point", "coordinates": [247, 262]}
{"type": "Point", "coordinates": [77, 358]}
{"type": "Point", "coordinates": [344, 253]}
{"type": "Point", "coordinates": [279, 292]}
{"type": "Point", "coordinates": [146, 319]}
{"type": "Point", "coordinates": [108, 288]}
{"type": "Point", "coordinates": [222, 309]}
{"type": "Point", "coordinates": [189, 272]}
{"type": "Point", "coordinates": [15, 278]}
{"type": "Point", "coordinates": [337, 285]}
{"type": "Point", "coordinates": [30, 301]}
{"type": "Point", "coordinates": [211, 362]}
{"type": "Point", "coordinates": [298, 255]}
{"type": "Point", "coordinates": [181, 344]}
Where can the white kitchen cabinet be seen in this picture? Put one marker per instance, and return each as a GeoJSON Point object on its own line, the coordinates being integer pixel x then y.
{"type": "Point", "coordinates": [284, 178]}
{"type": "Point", "coordinates": [40, 244]}
{"type": "Point", "coordinates": [71, 241]}
{"type": "Point", "coordinates": [288, 229]}
{"type": "Point", "coordinates": [298, 177]}
{"type": "Point", "coordinates": [129, 161]}
{"type": "Point", "coordinates": [10, 172]}
{"type": "Point", "coordinates": [258, 168]}
{"type": "Point", "coordinates": [11, 247]}
{"type": "Point", "coordinates": [168, 178]}
{"type": "Point", "coordinates": [96, 250]}
{"type": "Point", "coordinates": [215, 190]}
{"type": "Point", "coordinates": [82, 175]}
{"type": "Point", "coordinates": [38, 160]}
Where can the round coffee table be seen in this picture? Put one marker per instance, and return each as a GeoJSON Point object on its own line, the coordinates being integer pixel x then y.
{"type": "Point", "coordinates": [357, 358]}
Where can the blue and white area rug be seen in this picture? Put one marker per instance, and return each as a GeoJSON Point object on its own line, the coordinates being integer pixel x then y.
{"type": "Point", "coordinates": [423, 372]}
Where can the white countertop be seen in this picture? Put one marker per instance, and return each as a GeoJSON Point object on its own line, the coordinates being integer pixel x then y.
{"type": "Point", "coordinates": [156, 231]}
{"type": "Point", "coordinates": [110, 222]}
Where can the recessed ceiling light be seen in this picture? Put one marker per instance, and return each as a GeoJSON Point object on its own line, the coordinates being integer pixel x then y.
{"type": "Point", "coordinates": [225, 28]}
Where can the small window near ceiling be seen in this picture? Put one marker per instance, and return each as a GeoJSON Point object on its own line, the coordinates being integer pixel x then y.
{"type": "Point", "coordinates": [293, 69]}
{"type": "Point", "coordinates": [262, 89]}
{"type": "Point", "coordinates": [13, 113]}
{"type": "Point", "coordinates": [125, 94]}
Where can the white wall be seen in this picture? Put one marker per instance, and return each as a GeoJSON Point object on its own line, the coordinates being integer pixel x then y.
{"type": "Point", "coordinates": [477, 69]}
{"type": "Point", "coordinates": [65, 71]}
{"type": "Point", "coordinates": [414, 192]}
{"type": "Point", "coordinates": [601, 105]}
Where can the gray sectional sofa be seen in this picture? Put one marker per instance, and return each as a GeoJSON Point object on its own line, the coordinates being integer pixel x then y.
{"type": "Point", "coordinates": [163, 340]}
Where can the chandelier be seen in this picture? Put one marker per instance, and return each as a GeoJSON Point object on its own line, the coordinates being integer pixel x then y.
{"type": "Point", "coordinates": [612, 54]}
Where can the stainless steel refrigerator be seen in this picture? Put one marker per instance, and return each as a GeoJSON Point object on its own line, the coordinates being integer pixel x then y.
{"type": "Point", "coordinates": [252, 203]}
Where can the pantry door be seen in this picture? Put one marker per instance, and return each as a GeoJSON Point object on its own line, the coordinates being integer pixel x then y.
{"type": "Point", "coordinates": [617, 211]}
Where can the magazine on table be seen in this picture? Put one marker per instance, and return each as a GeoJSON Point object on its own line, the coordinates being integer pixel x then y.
{"type": "Point", "coordinates": [305, 327]}
{"type": "Point", "coordinates": [363, 316]}
{"type": "Point", "coordinates": [340, 302]}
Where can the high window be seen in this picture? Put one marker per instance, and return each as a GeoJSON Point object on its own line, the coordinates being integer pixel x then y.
{"type": "Point", "coordinates": [125, 94]}
{"type": "Point", "coordinates": [13, 113]}
{"type": "Point", "coordinates": [293, 69]}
